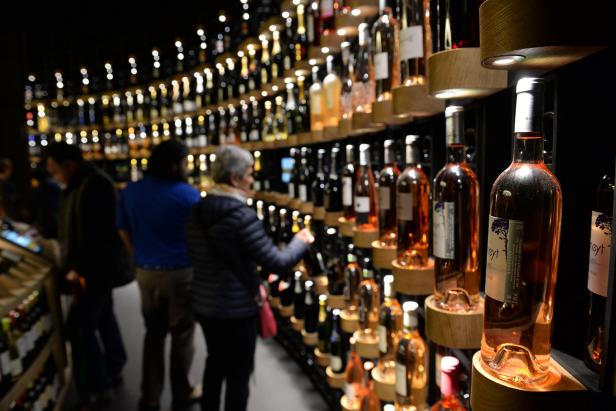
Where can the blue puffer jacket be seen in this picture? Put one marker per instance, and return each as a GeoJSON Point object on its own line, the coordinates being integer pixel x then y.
{"type": "Point", "coordinates": [235, 241]}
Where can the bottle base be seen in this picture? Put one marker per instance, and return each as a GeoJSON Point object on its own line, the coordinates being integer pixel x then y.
{"type": "Point", "coordinates": [516, 364]}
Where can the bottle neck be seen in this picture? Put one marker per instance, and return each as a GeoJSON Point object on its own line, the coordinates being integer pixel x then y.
{"type": "Point", "coordinates": [367, 274]}
{"type": "Point", "coordinates": [412, 155]}
{"type": "Point", "coordinates": [528, 148]}
{"type": "Point", "coordinates": [388, 156]}
{"type": "Point", "coordinates": [364, 158]}
{"type": "Point", "coordinates": [333, 166]}
{"type": "Point", "coordinates": [456, 153]}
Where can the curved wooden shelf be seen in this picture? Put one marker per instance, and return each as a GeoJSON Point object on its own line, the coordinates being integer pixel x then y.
{"type": "Point", "coordinates": [320, 284]}
{"type": "Point", "coordinates": [294, 204]}
{"type": "Point", "coordinates": [322, 358]}
{"type": "Point", "coordinates": [560, 391]}
{"type": "Point", "coordinates": [382, 256]}
{"type": "Point", "coordinates": [317, 136]}
{"type": "Point", "coordinates": [461, 330]}
{"type": "Point", "coordinates": [384, 384]}
{"type": "Point", "coordinates": [366, 346]}
{"type": "Point", "coordinates": [304, 138]}
{"type": "Point", "coordinates": [283, 200]}
{"type": "Point", "coordinates": [336, 301]}
{"type": "Point", "coordinates": [348, 405]}
{"type": "Point", "coordinates": [297, 325]}
{"type": "Point", "coordinates": [415, 280]}
{"type": "Point", "coordinates": [306, 208]}
{"type": "Point", "coordinates": [310, 339]}
{"type": "Point", "coordinates": [545, 34]}
{"type": "Point", "coordinates": [331, 133]}
{"type": "Point", "coordinates": [318, 213]}
{"type": "Point", "coordinates": [367, 8]}
{"type": "Point", "coordinates": [293, 140]}
{"type": "Point", "coordinates": [345, 127]}
{"type": "Point", "coordinates": [346, 227]}
{"type": "Point", "coordinates": [349, 321]}
{"type": "Point", "coordinates": [415, 101]}
{"type": "Point", "coordinates": [286, 311]}
{"type": "Point", "coordinates": [364, 238]}
{"type": "Point", "coordinates": [332, 219]}
{"type": "Point", "coordinates": [347, 24]}
{"type": "Point", "coordinates": [458, 73]}
{"type": "Point", "coordinates": [336, 381]}
{"type": "Point", "coordinates": [383, 111]}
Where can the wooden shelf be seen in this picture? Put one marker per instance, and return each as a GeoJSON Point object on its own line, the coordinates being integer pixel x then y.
{"type": "Point", "coordinates": [332, 219]}
{"type": "Point", "coordinates": [336, 302]}
{"type": "Point", "coordinates": [414, 280]}
{"type": "Point", "coordinates": [366, 346]}
{"type": "Point", "coordinates": [458, 73]}
{"type": "Point", "coordinates": [384, 384]}
{"type": "Point", "coordinates": [382, 256]}
{"type": "Point", "coordinates": [461, 330]}
{"type": "Point", "coordinates": [415, 101]}
{"type": "Point", "coordinates": [539, 34]}
{"type": "Point", "coordinates": [322, 358]}
{"type": "Point", "coordinates": [364, 238]}
{"type": "Point", "coordinates": [560, 391]}
{"type": "Point", "coordinates": [336, 381]}
{"type": "Point", "coordinates": [349, 321]}
{"type": "Point", "coordinates": [310, 339]}
{"type": "Point", "coordinates": [366, 8]}
{"type": "Point", "coordinates": [346, 227]}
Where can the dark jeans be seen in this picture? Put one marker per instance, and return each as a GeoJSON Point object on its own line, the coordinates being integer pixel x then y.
{"type": "Point", "coordinates": [96, 343]}
{"type": "Point", "coordinates": [165, 305]}
{"type": "Point", "coordinates": [231, 347]}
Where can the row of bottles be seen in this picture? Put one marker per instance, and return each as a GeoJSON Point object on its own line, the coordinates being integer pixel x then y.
{"type": "Point", "coordinates": [43, 392]}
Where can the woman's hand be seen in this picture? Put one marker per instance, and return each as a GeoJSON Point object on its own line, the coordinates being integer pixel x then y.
{"type": "Point", "coordinates": [306, 236]}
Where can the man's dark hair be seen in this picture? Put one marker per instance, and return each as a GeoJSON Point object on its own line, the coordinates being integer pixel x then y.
{"type": "Point", "coordinates": [166, 160]}
{"type": "Point", "coordinates": [63, 152]}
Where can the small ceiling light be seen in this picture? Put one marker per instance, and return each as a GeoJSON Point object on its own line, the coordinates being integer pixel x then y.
{"type": "Point", "coordinates": [356, 12]}
{"type": "Point", "coordinates": [443, 95]}
{"type": "Point", "coordinates": [222, 18]}
{"type": "Point", "coordinates": [503, 61]}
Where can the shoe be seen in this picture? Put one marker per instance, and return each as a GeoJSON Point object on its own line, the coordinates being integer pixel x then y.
{"type": "Point", "coordinates": [195, 396]}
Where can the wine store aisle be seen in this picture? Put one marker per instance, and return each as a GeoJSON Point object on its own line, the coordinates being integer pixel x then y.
{"type": "Point", "coordinates": [278, 383]}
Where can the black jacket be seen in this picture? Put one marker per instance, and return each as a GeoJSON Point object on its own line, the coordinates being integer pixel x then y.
{"type": "Point", "coordinates": [90, 241]}
{"type": "Point", "coordinates": [234, 245]}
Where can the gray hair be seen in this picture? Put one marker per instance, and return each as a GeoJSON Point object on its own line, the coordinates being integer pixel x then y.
{"type": "Point", "coordinates": [230, 161]}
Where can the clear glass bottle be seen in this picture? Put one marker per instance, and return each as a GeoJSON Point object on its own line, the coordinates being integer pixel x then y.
{"type": "Point", "coordinates": [390, 325]}
{"type": "Point", "coordinates": [352, 279]}
{"type": "Point", "coordinates": [455, 220]}
{"type": "Point", "coordinates": [522, 255]}
{"type": "Point", "coordinates": [268, 126]}
{"type": "Point", "coordinates": [280, 121]}
{"type": "Point", "coordinates": [450, 400]}
{"type": "Point", "coordinates": [337, 346]}
{"type": "Point", "coordinates": [349, 177]}
{"type": "Point", "coordinates": [365, 197]}
{"type": "Point", "coordinates": [332, 88]}
{"type": "Point", "coordinates": [346, 82]}
{"type": "Point", "coordinates": [415, 40]}
{"type": "Point", "coordinates": [412, 203]}
{"type": "Point", "coordinates": [363, 83]}
{"type": "Point", "coordinates": [411, 361]}
{"type": "Point", "coordinates": [385, 57]}
{"type": "Point", "coordinates": [301, 35]}
{"type": "Point", "coordinates": [369, 300]}
{"type": "Point", "coordinates": [387, 196]}
{"type": "Point", "coordinates": [316, 101]}
{"type": "Point", "coordinates": [354, 375]}
{"type": "Point", "coordinates": [368, 400]}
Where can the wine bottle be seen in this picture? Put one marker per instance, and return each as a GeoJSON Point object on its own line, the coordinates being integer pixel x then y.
{"type": "Point", "coordinates": [302, 119]}
{"type": "Point", "coordinates": [346, 82]}
{"type": "Point", "coordinates": [288, 46]}
{"type": "Point", "coordinates": [332, 199]}
{"type": "Point", "coordinates": [314, 262]}
{"type": "Point", "coordinates": [354, 373]}
{"type": "Point", "coordinates": [311, 309]}
{"type": "Point", "coordinates": [522, 255]}
{"type": "Point", "coordinates": [411, 361]}
{"type": "Point", "coordinates": [390, 324]}
{"type": "Point", "coordinates": [364, 192]}
{"type": "Point", "coordinates": [255, 123]}
{"type": "Point", "coordinates": [188, 94]}
{"type": "Point", "coordinates": [349, 178]}
{"type": "Point", "coordinates": [244, 74]}
{"type": "Point", "coordinates": [15, 352]}
{"type": "Point", "coordinates": [332, 88]}
{"type": "Point", "coordinates": [267, 126]}
{"type": "Point", "coordinates": [415, 46]}
{"type": "Point", "coordinates": [155, 64]}
{"type": "Point", "coordinates": [264, 67]}
{"type": "Point", "coordinates": [320, 183]}
{"type": "Point", "coordinates": [385, 44]}
{"type": "Point", "coordinates": [313, 24]}
{"type": "Point", "coordinates": [291, 110]}
{"type": "Point", "coordinates": [368, 400]}
{"type": "Point", "coordinates": [455, 219]}
{"type": "Point", "coordinates": [316, 101]}
{"type": "Point", "coordinates": [326, 15]}
{"type": "Point", "coordinates": [325, 325]}
{"type": "Point", "coordinates": [280, 122]}
{"type": "Point", "coordinates": [177, 97]}
{"type": "Point", "coordinates": [6, 380]}
{"type": "Point", "coordinates": [277, 57]}
{"type": "Point", "coordinates": [285, 230]}
{"type": "Point", "coordinates": [302, 36]}
{"type": "Point", "coordinates": [257, 172]}
{"type": "Point", "coordinates": [387, 196]}
{"type": "Point", "coordinates": [337, 349]}
{"type": "Point", "coordinates": [412, 203]}
{"type": "Point", "coordinates": [364, 82]}
{"type": "Point", "coordinates": [352, 279]}
{"type": "Point", "coordinates": [210, 91]}
{"type": "Point", "coordinates": [305, 176]}
{"type": "Point", "coordinates": [450, 400]}
{"type": "Point", "coordinates": [598, 270]}
{"type": "Point", "coordinates": [455, 24]}
{"type": "Point", "coordinates": [298, 296]}
{"type": "Point", "coordinates": [294, 177]}
{"type": "Point", "coordinates": [369, 300]}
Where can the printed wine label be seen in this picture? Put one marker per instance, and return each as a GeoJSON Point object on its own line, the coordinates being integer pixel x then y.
{"type": "Point", "coordinates": [443, 218]}
{"type": "Point", "coordinates": [381, 68]}
{"type": "Point", "coordinates": [315, 105]}
{"type": "Point", "coordinates": [384, 198]}
{"type": "Point", "coordinates": [382, 339]}
{"type": "Point", "coordinates": [303, 193]}
{"type": "Point", "coordinates": [504, 259]}
{"type": "Point", "coordinates": [16, 367]}
{"type": "Point", "coordinates": [291, 187]}
{"type": "Point", "coordinates": [411, 43]}
{"type": "Point", "coordinates": [401, 386]}
{"type": "Point", "coordinates": [404, 206]}
{"type": "Point", "coordinates": [600, 249]}
{"type": "Point", "coordinates": [347, 191]}
{"type": "Point", "coordinates": [362, 210]}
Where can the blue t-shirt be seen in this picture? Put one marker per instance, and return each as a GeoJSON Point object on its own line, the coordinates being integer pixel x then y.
{"type": "Point", "coordinates": [154, 212]}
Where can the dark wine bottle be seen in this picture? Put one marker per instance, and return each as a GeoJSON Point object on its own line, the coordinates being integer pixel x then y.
{"type": "Point", "coordinates": [311, 309]}
{"type": "Point", "coordinates": [337, 347]}
{"type": "Point", "coordinates": [332, 200]}
{"type": "Point", "coordinates": [325, 325]}
{"type": "Point", "coordinates": [455, 24]}
{"type": "Point", "coordinates": [319, 184]}
{"type": "Point", "coordinates": [298, 296]}
{"type": "Point", "coordinates": [349, 178]}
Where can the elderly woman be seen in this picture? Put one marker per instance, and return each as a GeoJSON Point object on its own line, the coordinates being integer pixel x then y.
{"type": "Point", "coordinates": [226, 242]}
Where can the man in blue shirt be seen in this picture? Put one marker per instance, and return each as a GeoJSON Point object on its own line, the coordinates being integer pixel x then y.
{"type": "Point", "coordinates": [151, 219]}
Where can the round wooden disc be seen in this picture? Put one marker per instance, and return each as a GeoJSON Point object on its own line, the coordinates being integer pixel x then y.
{"type": "Point", "coordinates": [322, 359]}
{"type": "Point", "coordinates": [298, 325]}
{"type": "Point", "coordinates": [332, 219]}
{"type": "Point", "coordinates": [330, 133]}
{"type": "Point", "coordinates": [349, 321]}
{"type": "Point", "coordinates": [304, 138]}
{"type": "Point", "coordinates": [310, 339]}
{"type": "Point", "coordinates": [318, 214]}
{"type": "Point", "coordinates": [259, 195]}
{"type": "Point", "coordinates": [383, 111]}
{"type": "Point", "coordinates": [282, 200]}
{"type": "Point", "coordinates": [345, 126]}
{"type": "Point", "coordinates": [367, 346]}
{"type": "Point", "coordinates": [292, 139]}
{"type": "Point", "coordinates": [561, 391]}
{"type": "Point", "coordinates": [382, 256]}
{"type": "Point", "coordinates": [295, 204]}
{"type": "Point", "coordinates": [275, 303]}
{"type": "Point", "coordinates": [369, 8]}
{"type": "Point", "coordinates": [306, 208]}
{"type": "Point", "coordinates": [415, 101]}
{"type": "Point", "coordinates": [361, 121]}
{"type": "Point", "coordinates": [336, 381]}
{"type": "Point", "coordinates": [336, 302]}
{"type": "Point", "coordinates": [320, 284]}
{"type": "Point", "coordinates": [317, 136]}
{"type": "Point", "coordinates": [460, 330]}
{"type": "Point", "coordinates": [364, 238]}
{"type": "Point", "coordinates": [286, 312]}
{"type": "Point", "coordinates": [384, 384]}
{"type": "Point", "coordinates": [270, 196]}
{"type": "Point", "coordinates": [414, 281]}
{"type": "Point", "coordinates": [268, 145]}
{"type": "Point", "coordinates": [346, 227]}
{"type": "Point", "coordinates": [346, 405]}
{"type": "Point", "coordinates": [347, 23]}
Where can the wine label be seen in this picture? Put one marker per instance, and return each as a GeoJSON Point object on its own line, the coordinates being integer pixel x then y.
{"type": "Point", "coordinates": [254, 135]}
{"type": "Point", "coordinates": [310, 28]}
{"type": "Point", "coordinates": [291, 187]}
{"type": "Point", "coordinates": [443, 217]}
{"type": "Point", "coordinates": [600, 249]}
{"type": "Point", "coordinates": [303, 193]}
{"type": "Point", "coordinates": [401, 380]}
{"type": "Point", "coordinates": [362, 204]}
{"type": "Point", "coordinates": [382, 330]}
{"type": "Point", "coordinates": [316, 105]}
{"type": "Point", "coordinates": [384, 198]}
{"type": "Point", "coordinates": [347, 191]}
{"type": "Point", "coordinates": [411, 43]}
{"type": "Point", "coordinates": [404, 206]}
{"type": "Point", "coordinates": [381, 67]}
{"type": "Point", "coordinates": [327, 8]}
{"type": "Point", "coordinates": [504, 259]}
{"type": "Point", "coordinates": [22, 346]}
{"type": "Point", "coordinates": [335, 363]}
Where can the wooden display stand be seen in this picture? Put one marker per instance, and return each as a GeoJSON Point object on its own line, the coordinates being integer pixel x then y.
{"type": "Point", "coordinates": [332, 219]}
{"type": "Point", "coordinates": [318, 214]}
{"type": "Point", "coordinates": [415, 101]}
{"type": "Point", "coordinates": [382, 256]}
{"type": "Point", "coordinates": [275, 303]}
{"type": "Point", "coordinates": [292, 140]}
{"type": "Point", "coordinates": [414, 281]}
{"type": "Point", "coordinates": [368, 8]}
{"type": "Point", "coordinates": [561, 391]}
{"type": "Point", "coordinates": [361, 122]}
{"type": "Point", "coordinates": [282, 200]}
{"type": "Point", "coordinates": [297, 325]}
{"type": "Point", "coordinates": [345, 127]}
{"type": "Point", "coordinates": [320, 284]}
{"type": "Point", "coordinates": [346, 227]}
{"type": "Point", "coordinates": [542, 34]}
{"type": "Point", "coordinates": [458, 73]}
{"type": "Point", "coordinates": [306, 208]}
{"type": "Point", "coordinates": [349, 321]}
{"type": "Point", "coordinates": [347, 405]}
{"type": "Point", "coordinates": [331, 133]}
{"type": "Point", "coordinates": [269, 145]}
{"type": "Point", "coordinates": [383, 111]}
{"type": "Point", "coordinates": [336, 381]}
{"type": "Point", "coordinates": [336, 302]}
{"type": "Point", "coordinates": [384, 384]}
{"type": "Point", "coordinates": [332, 41]}
{"type": "Point", "coordinates": [295, 204]}
{"type": "Point", "coordinates": [286, 311]}
{"type": "Point", "coordinates": [461, 330]}
{"type": "Point", "coordinates": [318, 136]}
{"type": "Point", "coordinates": [322, 358]}
{"type": "Point", "coordinates": [304, 138]}
{"type": "Point", "coordinates": [310, 339]}
{"type": "Point", "coordinates": [366, 345]}
{"type": "Point", "coordinates": [346, 24]}
{"type": "Point", "coordinates": [364, 238]}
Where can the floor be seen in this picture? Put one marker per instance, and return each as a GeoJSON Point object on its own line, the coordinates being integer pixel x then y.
{"type": "Point", "coordinates": [278, 383]}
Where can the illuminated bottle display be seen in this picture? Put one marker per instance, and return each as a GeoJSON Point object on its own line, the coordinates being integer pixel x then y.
{"type": "Point", "coordinates": [522, 255]}
{"type": "Point", "coordinates": [365, 192]}
{"type": "Point", "coordinates": [385, 52]}
{"type": "Point", "coordinates": [387, 196]}
{"type": "Point", "coordinates": [332, 88]}
{"type": "Point", "coordinates": [390, 324]}
{"type": "Point", "coordinates": [332, 198]}
{"type": "Point", "coordinates": [369, 300]}
{"type": "Point", "coordinates": [325, 325]}
{"type": "Point", "coordinates": [450, 376]}
{"type": "Point", "coordinates": [415, 46]}
{"type": "Point", "coordinates": [316, 101]}
{"type": "Point", "coordinates": [352, 279]}
{"type": "Point", "coordinates": [337, 346]}
{"type": "Point", "coordinates": [354, 375]}
{"type": "Point", "coordinates": [346, 82]}
{"type": "Point", "coordinates": [412, 203]}
{"type": "Point", "coordinates": [302, 37]}
{"type": "Point", "coordinates": [349, 177]}
{"type": "Point", "coordinates": [455, 222]}
{"type": "Point", "coordinates": [363, 83]}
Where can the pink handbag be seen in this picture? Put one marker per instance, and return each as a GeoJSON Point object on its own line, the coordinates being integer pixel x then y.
{"type": "Point", "coordinates": [267, 323]}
